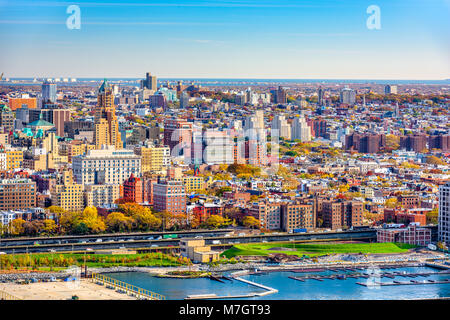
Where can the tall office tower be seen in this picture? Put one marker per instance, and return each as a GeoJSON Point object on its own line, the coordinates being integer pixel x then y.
{"type": "Point", "coordinates": [390, 89]}
{"type": "Point", "coordinates": [280, 96]}
{"type": "Point", "coordinates": [184, 100]}
{"type": "Point", "coordinates": [280, 123]}
{"type": "Point", "coordinates": [320, 100]}
{"type": "Point", "coordinates": [106, 125]}
{"type": "Point", "coordinates": [48, 92]}
{"type": "Point", "coordinates": [300, 129]}
{"type": "Point", "coordinates": [444, 213]}
{"type": "Point", "coordinates": [150, 82]}
{"type": "Point", "coordinates": [348, 96]}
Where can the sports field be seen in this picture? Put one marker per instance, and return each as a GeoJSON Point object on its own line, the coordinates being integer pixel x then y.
{"type": "Point", "coordinates": [315, 249]}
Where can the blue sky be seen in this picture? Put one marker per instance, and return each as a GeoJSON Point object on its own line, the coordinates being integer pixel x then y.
{"type": "Point", "coordinates": [227, 39]}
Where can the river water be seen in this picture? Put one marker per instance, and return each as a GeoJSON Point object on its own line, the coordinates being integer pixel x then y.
{"type": "Point", "coordinates": [289, 289]}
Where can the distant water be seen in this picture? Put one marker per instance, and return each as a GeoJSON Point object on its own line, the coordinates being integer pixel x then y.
{"type": "Point", "coordinates": [242, 82]}
{"type": "Point", "coordinates": [289, 289]}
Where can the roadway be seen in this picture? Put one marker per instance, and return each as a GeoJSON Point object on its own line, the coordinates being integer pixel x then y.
{"type": "Point", "coordinates": [210, 239]}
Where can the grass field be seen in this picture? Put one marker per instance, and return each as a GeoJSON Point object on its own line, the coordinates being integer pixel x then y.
{"type": "Point", "coordinates": [57, 261]}
{"type": "Point", "coordinates": [316, 249]}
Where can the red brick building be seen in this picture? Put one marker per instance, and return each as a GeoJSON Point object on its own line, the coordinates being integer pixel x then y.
{"type": "Point", "coordinates": [411, 235]}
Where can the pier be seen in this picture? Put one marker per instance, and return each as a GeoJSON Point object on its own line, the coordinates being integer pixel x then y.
{"type": "Point", "coordinates": [390, 275]}
{"type": "Point", "coordinates": [123, 287]}
{"type": "Point", "coordinates": [403, 283]}
{"type": "Point", "coordinates": [237, 278]}
{"type": "Point", "coordinates": [6, 296]}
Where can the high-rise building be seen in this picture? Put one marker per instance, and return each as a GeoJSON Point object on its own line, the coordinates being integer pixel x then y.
{"type": "Point", "coordinates": [297, 215]}
{"type": "Point", "coordinates": [184, 100]}
{"type": "Point", "coordinates": [57, 116]}
{"type": "Point", "coordinates": [177, 133]}
{"type": "Point", "coordinates": [6, 118]}
{"type": "Point", "coordinates": [417, 143]}
{"type": "Point", "coordinates": [300, 129]}
{"type": "Point", "coordinates": [365, 143]}
{"type": "Point", "coordinates": [98, 195]}
{"type": "Point", "coordinates": [280, 123]}
{"type": "Point", "coordinates": [390, 89]}
{"type": "Point", "coordinates": [280, 96]}
{"type": "Point", "coordinates": [169, 196]}
{"type": "Point", "coordinates": [16, 103]}
{"type": "Point", "coordinates": [320, 99]}
{"type": "Point", "coordinates": [67, 194]}
{"type": "Point", "coordinates": [154, 158]}
{"type": "Point", "coordinates": [133, 189]}
{"type": "Point", "coordinates": [17, 194]}
{"type": "Point", "coordinates": [150, 82]}
{"type": "Point", "coordinates": [444, 213]}
{"type": "Point", "coordinates": [48, 92]}
{"type": "Point", "coordinates": [107, 166]}
{"type": "Point", "coordinates": [348, 96]}
{"type": "Point", "coordinates": [106, 125]}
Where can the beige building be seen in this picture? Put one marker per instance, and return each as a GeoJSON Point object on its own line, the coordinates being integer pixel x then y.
{"type": "Point", "coordinates": [196, 251]}
{"type": "Point", "coordinates": [154, 158]}
{"type": "Point", "coordinates": [106, 127]}
{"type": "Point", "coordinates": [101, 194]}
{"type": "Point", "coordinates": [67, 194]}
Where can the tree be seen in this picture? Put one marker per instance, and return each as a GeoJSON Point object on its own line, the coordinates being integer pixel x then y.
{"type": "Point", "coordinates": [49, 226]}
{"type": "Point", "coordinates": [391, 203]}
{"type": "Point", "coordinates": [216, 221]}
{"type": "Point", "coordinates": [165, 217]}
{"type": "Point", "coordinates": [118, 222]}
{"type": "Point", "coordinates": [436, 161]}
{"type": "Point", "coordinates": [55, 209]}
{"type": "Point", "coordinates": [250, 222]}
{"type": "Point", "coordinates": [92, 220]}
{"type": "Point", "coordinates": [432, 216]}
{"type": "Point", "coordinates": [17, 227]}
{"type": "Point", "coordinates": [33, 228]}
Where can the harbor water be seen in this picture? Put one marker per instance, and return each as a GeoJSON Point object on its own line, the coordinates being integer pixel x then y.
{"type": "Point", "coordinates": [309, 289]}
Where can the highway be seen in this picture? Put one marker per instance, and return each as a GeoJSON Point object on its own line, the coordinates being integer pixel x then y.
{"type": "Point", "coordinates": [129, 242]}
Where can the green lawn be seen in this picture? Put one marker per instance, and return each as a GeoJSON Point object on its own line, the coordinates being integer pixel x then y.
{"type": "Point", "coordinates": [315, 249]}
{"type": "Point", "coordinates": [56, 260]}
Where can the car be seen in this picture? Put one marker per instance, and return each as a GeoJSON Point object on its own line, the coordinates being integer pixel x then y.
{"type": "Point", "coordinates": [98, 240]}
{"type": "Point", "coordinates": [52, 250]}
{"type": "Point", "coordinates": [199, 237]}
{"type": "Point", "coordinates": [149, 238]}
{"type": "Point", "coordinates": [153, 245]}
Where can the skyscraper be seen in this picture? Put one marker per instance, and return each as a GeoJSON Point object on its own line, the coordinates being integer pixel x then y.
{"type": "Point", "coordinates": [444, 213]}
{"type": "Point", "coordinates": [48, 92]}
{"type": "Point", "coordinates": [280, 123]}
{"type": "Point", "coordinates": [348, 96]}
{"type": "Point", "coordinates": [390, 89]}
{"type": "Point", "coordinates": [150, 82]}
{"type": "Point", "coordinates": [106, 125]}
{"type": "Point", "coordinates": [300, 129]}
{"type": "Point", "coordinates": [320, 100]}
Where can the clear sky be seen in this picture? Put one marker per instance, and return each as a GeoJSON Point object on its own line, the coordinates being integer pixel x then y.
{"type": "Point", "coordinates": [226, 39]}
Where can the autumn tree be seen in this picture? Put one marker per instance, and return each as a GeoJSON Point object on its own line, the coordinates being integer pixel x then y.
{"type": "Point", "coordinates": [16, 227]}
{"type": "Point", "coordinates": [118, 222]}
{"type": "Point", "coordinates": [216, 221]}
{"type": "Point", "coordinates": [250, 222]}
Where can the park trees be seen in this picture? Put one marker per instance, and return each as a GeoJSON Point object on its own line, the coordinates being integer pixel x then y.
{"type": "Point", "coordinates": [216, 221]}
{"type": "Point", "coordinates": [118, 222]}
{"type": "Point", "coordinates": [250, 222]}
{"type": "Point", "coordinates": [17, 227]}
